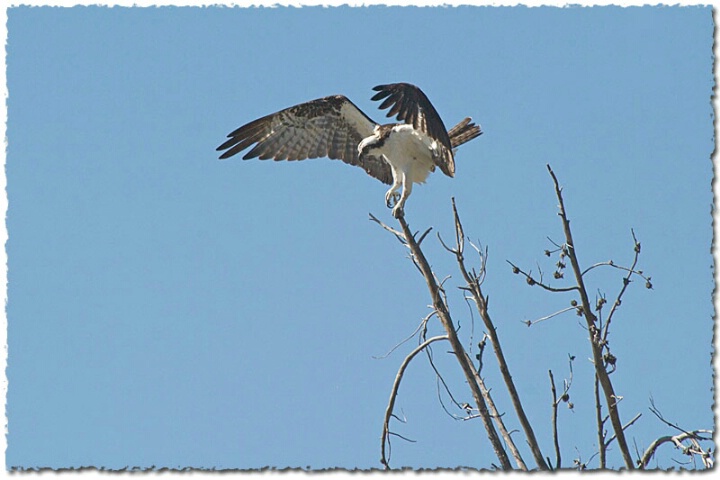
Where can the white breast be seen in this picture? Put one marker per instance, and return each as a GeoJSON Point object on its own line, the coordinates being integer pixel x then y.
{"type": "Point", "coordinates": [411, 152]}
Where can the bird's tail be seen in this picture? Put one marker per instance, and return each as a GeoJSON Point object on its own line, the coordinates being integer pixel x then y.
{"type": "Point", "coordinates": [464, 132]}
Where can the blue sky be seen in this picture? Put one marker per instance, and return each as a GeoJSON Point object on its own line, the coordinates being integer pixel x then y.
{"type": "Point", "coordinates": [169, 309]}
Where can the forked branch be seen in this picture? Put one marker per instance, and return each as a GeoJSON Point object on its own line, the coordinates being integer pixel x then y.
{"type": "Point", "coordinates": [626, 282]}
{"type": "Point", "coordinates": [595, 336]}
{"type": "Point", "coordinates": [564, 397]}
{"type": "Point", "coordinates": [439, 305]}
{"type": "Point", "coordinates": [692, 449]}
{"type": "Point", "coordinates": [474, 286]}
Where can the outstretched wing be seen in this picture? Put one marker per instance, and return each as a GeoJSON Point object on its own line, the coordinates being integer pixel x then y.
{"type": "Point", "coordinates": [411, 106]}
{"type": "Point", "coordinates": [327, 127]}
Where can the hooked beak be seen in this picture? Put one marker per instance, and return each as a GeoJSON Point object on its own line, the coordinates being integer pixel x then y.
{"type": "Point", "coordinates": [365, 145]}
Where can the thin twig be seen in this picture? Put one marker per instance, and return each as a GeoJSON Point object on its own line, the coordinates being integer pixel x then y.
{"type": "Point", "coordinates": [422, 237]}
{"type": "Point", "coordinates": [419, 327]}
{"type": "Point", "coordinates": [612, 264]}
{"type": "Point", "coordinates": [626, 282]}
{"type": "Point", "coordinates": [548, 317]}
{"type": "Point", "coordinates": [404, 438]}
{"type": "Point", "coordinates": [472, 323]}
{"type": "Point", "coordinates": [660, 417]}
{"type": "Point", "coordinates": [397, 234]}
{"type": "Point", "coordinates": [625, 427]}
{"type": "Point", "coordinates": [532, 281]}
{"type": "Point", "coordinates": [440, 379]}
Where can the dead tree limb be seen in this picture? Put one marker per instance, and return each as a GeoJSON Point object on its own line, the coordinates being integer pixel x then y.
{"type": "Point", "coordinates": [694, 449]}
{"type": "Point", "coordinates": [694, 437]}
{"type": "Point", "coordinates": [602, 446]}
{"type": "Point", "coordinates": [594, 333]}
{"type": "Point", "coordinates": [473, 281]}
{"type": "Point", "coordinates": [533, 281]}
{"type": "Point", "coordinates": [499, 421]}
{"type": "Point", "coordinates": [468, 369]}
{"type": "Point", "coordinates": [564, 397]}
{"type": "Point", "coordinates": [556, 441]}
{"type": "Point", "coordinates": [626, 282]}
{"type": "Point", "coordinates": [625, 427]}
{"type": "Point", "coordinates": [530, 323]}
{"type": "Point", "coordinates": [394, 393]}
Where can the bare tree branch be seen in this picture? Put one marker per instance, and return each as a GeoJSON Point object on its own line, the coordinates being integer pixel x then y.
{"type": "Point", "coordinates": [694, 437]}
{"type": "Point", "coordinates": [441, 380]}
{"type": "Point", "coordinates": [600, 423]}
{"type": "Point", "coordinates": [548, 317]}
{"type": "Point", "coordinates": [397, 234]}
{"type": "Point", "coordinates": [612, 264]}
{"type": "Point", "coordinates": [594, 333]}
{"type": "Point", "coordinates": [556, 442]}
{"type": "Point", "coordinates": [660, 417]}
{"type": "Point", "coordinates": [473, 285]}
{"type": "Point", "coordinates": [626, 282]}
{"type": "Point", "coordinates": [419, 327]}
{"type": "Point", "coordinates": [532, 281]}
{"type": "Point", "coordinates": [694, 449]}
{"type": "Point", "coordinates": [625, 427]}
{"type": "Point", "coordinates": [394, 392]}
{"type": "Point", "coordinates": [422, 237]}
{"type": "Point", "coordinates": [564, 397]}
{"type": "Point", "coordinates": [440, 306]}
{"type": "Point", "coordinates": [498, 421]}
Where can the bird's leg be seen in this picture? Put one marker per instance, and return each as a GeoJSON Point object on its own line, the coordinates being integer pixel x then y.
{"type": "Point", "coordinates": [399, 207]}
{"type": "Point", "coordinates": [392, 197]}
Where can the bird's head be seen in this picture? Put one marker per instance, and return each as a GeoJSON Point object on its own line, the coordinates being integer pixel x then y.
{"type": "Point", "coordinates": [373, 142]}
{"type": "Point", "coordinates": [367, 144]}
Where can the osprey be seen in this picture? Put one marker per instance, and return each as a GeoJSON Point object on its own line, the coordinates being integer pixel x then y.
{"type": "Point", "coordinates": [397, 153]}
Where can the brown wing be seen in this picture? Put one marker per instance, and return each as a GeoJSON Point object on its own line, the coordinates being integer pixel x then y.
{"type": "Point", "coordinates": [327, 127]}
{"type": "Point", "coordinates": [411, 106]}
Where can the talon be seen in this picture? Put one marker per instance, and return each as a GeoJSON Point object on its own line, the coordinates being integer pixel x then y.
{"type": "Point", "coordinates": [391, 199]}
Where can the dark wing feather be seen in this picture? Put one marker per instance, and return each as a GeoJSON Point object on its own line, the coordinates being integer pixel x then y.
{"type": "Point", "coordinates": [327, 127]}
{"type": "Point", "coordinates": [410, 105]}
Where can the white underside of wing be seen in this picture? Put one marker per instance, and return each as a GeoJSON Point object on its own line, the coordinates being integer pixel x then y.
{"type": "Point", "coordinates": [410, 153]}
{"type": "Point", "coordinates": [357, 119]}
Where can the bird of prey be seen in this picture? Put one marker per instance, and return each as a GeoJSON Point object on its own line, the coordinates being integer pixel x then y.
{"type": "Point", "coordinates": [397, 153]}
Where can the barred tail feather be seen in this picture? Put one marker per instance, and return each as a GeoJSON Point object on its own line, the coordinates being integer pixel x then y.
{"type": "Point", "coordinates": [464, 132]}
